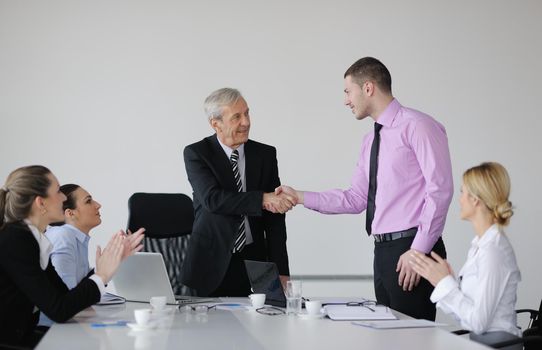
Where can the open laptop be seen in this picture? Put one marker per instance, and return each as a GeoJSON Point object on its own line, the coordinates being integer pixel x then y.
{"type": "Point", "coordinates": [143, 275]}
{"type": "Point", "coordinates": [264, 278]}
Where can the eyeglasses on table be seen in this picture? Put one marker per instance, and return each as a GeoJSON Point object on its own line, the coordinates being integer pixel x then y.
{"type": "Point", "coordinates": [369, 304]}
{"type": "Point", "coordinates": [197, 308]}
{"type": "Point", "coordinates": [270, 311]}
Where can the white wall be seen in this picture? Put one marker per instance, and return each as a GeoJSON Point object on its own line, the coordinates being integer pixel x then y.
{"type": "Point", "coordinates": [107, 93]}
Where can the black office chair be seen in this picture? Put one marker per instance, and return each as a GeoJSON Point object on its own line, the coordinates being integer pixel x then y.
{"type": "Point", "coordinates": [531, 338]}
{"type": "Point", "coordinates": [167, 219]}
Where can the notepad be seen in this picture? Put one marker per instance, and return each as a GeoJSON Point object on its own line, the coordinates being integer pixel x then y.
{"type": "Point", "coordinates": [111, 299]}
{"type": "Point", "coordinates": [355, 313]}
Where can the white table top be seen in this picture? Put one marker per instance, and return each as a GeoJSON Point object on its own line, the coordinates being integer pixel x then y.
{"type": "Point", "coordinates": [237, 329]}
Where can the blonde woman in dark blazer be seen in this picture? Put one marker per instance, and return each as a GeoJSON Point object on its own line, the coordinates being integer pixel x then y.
{"type": "Point", "coordinates": [29, 201]}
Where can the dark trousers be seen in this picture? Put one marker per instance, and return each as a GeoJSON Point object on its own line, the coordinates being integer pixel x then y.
{"type": "Point", "coordinates": [415, 303]}
{"type": "Point", "coordinates": [236, 283]}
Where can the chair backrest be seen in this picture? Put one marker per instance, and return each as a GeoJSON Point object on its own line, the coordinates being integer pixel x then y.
{"type": "Point", "coordinates": [536, 320]}
{"type": "Point", "coordinates": [167, 219]}
{"type": "Point", "coordinates": [532, 336]}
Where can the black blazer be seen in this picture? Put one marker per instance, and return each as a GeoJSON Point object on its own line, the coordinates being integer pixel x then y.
{"type": "Point", "coordinates": [218, 207]}
{"type": "Point", "coordinates": [24, 286]}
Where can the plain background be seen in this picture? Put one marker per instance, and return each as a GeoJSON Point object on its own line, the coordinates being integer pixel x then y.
{"type": "Point", "coordinates": [108, 93]}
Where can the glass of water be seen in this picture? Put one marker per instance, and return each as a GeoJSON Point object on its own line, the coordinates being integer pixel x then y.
{"type": "Point", "coordinates": [293, 297]}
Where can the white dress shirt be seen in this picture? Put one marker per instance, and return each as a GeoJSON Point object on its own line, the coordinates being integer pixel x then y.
{"type": "Point", "coordinates": [484, 299]}
{"type": "Point", "coordinates": [241, 166]}
{"type": "Point", "coordinates": [45, 246]}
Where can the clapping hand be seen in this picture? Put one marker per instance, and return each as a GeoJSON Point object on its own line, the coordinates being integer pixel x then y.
{"type": "Point", "coordinates": [433, 270]}
{"type": "Point", "coordinates": [108, 259]}
{"type": "Point", "coordinates": [132, 243]}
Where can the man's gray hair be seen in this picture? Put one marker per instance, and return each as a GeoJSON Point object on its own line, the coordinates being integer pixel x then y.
{"type": "Point", "coordinates": [217, 100]}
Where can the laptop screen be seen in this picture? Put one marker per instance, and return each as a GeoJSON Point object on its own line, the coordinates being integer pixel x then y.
{"type": "Point", "coordinates": [264, 278]}
{"type": "Point", "coordinates": [142, 276]}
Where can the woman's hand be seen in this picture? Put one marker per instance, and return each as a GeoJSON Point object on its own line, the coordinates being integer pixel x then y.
{"type": "Point", "coordinates": [432, 270]}
{"type": "Point", "coordinates": [132, 243]}
{"type": "Point", "coordinates": [108, 260]}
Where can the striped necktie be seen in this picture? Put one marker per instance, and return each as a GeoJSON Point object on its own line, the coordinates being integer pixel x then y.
{"type": "Point", "coordinates": [241, 237]}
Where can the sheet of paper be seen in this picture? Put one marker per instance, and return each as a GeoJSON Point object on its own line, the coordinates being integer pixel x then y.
{"type": "Point", "coordinates": [391, 324]}
{"type": "Point", "coordinates": [351, 313]}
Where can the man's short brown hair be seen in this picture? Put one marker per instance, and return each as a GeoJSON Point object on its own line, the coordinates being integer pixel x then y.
{"type": "Point", "coordinates": [369, 68]}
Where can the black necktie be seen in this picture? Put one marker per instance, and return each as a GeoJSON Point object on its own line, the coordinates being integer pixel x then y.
{"type": "Point", "coordinates": [373, 169]}
{"type": "Point", "coordinates": [241, 238]}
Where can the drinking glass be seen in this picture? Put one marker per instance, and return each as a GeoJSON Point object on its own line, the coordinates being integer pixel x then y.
{"type": "Point", "coordinates": [293, 297]}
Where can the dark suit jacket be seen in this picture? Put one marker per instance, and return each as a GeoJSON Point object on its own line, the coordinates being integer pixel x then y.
{"type": "Point", "coordinates": [24, 285]}
{"type": "Point", "coordinates": [219, 208]}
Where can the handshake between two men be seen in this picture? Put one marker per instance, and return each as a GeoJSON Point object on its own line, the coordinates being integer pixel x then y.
{"type": "Point", "coordinates": [283, 199]}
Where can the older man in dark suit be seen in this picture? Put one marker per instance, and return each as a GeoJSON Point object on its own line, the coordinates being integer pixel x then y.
{"type": "Point", "coordinates": [237, 214]}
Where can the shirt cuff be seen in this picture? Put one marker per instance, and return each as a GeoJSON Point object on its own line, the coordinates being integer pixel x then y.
{"type": "Point", "coordinates": [310, 200]}
{"type": "Point", "coordinates": [97, 279]}
{"type": "Point", "coordinates": [422, 243]}
{"type": "Point", "coordinates": [443, 288]}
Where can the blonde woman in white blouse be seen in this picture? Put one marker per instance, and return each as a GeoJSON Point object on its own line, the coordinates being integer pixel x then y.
{"type": "Point", "coordinates": [483, 296]}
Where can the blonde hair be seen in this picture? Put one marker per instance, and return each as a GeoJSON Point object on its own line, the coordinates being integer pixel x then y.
{"type": "Point", "coordinates": [22, 186]}
{"type": "Point", "coordinates": [490, 183]}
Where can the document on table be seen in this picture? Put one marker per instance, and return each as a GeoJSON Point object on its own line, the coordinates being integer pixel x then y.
{"type": "Point", "coordinates": [387, 324]}
{"type": "Point", "coordinates": [353, 313]}
{"type": "Point", "coordinates": [111, 299]}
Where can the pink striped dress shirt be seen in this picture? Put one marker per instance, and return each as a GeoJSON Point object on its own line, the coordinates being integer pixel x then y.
{"type": "Point", "coordinates": [414, 180]}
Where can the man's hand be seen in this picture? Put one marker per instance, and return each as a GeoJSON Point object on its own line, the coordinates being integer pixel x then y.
{"type": "Point", "coordinates": [408, 278]}
{"type": "Point", "coordinates": [298, 195]}
{"type": "Point", "coordinates": [278, 203]}
{"type": "Point", "coordinates": [432, 270]}
{"type": "Point", "coordinates": [283, 280]}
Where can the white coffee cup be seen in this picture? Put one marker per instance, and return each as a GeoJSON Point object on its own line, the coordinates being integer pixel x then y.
{"type": "Point", "coordinates": [142, 316]}
{"type": "Point", "coordinates": [257, 300]}
{"type": "Point", "coordinates": [158, 303]}
{"type": "Point", "coordinates": [314, 307]}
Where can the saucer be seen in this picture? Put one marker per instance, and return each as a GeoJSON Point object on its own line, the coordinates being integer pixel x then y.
{"type": "Point", "coordinates": [137, 327]}
{"type": "Point", "coordinates": [306, 316]}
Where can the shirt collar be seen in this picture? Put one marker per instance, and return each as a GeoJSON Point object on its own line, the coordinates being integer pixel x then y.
{"type": "Point", "coordinates": [487, 237]}
{"type": "Point", "coordinates": [388, 116]}
{"type": "Point", "coordinates": [229, 151]}
{"type": "Point", "coordinates": [45, 246]}
{"type": "Point", "coordinates": [80, 235]}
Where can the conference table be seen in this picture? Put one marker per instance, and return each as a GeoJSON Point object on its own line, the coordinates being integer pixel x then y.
{"type": "Point", "coordinates": [232, 325]}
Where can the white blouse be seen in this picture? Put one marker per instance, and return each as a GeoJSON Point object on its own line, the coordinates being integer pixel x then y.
{"type": "Point", "coordinates": [45, 245]}
{"type": "Point", "coordinates": [484, 299]}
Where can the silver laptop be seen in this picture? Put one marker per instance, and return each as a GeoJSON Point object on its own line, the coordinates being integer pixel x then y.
{"type": "Point", "coordinates": [143, 275]}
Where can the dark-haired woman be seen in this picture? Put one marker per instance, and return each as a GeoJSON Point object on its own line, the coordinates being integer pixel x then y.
{"type": "Point", "coordinates": [70, 240]}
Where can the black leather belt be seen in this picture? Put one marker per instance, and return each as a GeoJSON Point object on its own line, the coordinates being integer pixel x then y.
{"type": "Point", "coordinates": [392, 236]}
